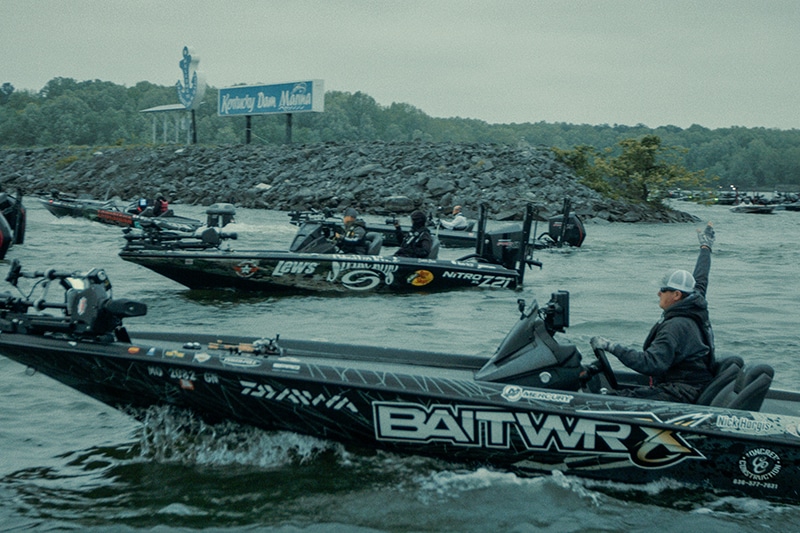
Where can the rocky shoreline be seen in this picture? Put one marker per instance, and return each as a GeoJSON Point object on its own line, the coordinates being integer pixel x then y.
{"type": "Point", "coordinates": [374, 177]}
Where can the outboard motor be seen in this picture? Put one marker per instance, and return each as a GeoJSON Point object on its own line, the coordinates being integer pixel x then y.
{"type": "Point", "coordinates": [502, 246]}
{"type": "Point", "coordinates": [529, 355]}
{"type": "Point", "coordinates": [220, 215]}
{"type": "Point", "coordinates": [573, 233]}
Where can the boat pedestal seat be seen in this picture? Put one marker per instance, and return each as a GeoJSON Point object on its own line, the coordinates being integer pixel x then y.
{"type": "Point", "coordinates": [374, 242]}
{"type": "Point", "coordinates": [747, 391]}
{"type": "Point", "coordinates": [725, 372]}
{"type": "Point", "coordinates": [434, 253]}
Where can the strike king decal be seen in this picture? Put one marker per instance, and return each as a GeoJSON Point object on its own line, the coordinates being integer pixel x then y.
{"type": "Point", "coordinates": [361, 276]}
{"type": "Point", "coordinates": [297, 396]}
{"type": "Point", "coordinates": [487, 427]}
{"type": "Point", "coordinates": [480, 280]}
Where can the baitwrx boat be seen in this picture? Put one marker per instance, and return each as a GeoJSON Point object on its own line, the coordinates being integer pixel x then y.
{"type": "Point", "coordinates": [312, 264]}
{"type": "Point", "coordinates": [533, 406]}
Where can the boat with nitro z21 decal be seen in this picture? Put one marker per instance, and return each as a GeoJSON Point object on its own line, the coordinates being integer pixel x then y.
{"type": "Point", "coordinates": [311, 264]}
{"type": "Point", "coordinates": [533, 406]}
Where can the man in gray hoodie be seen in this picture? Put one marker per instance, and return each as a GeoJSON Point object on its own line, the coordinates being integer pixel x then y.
{"type": "Point", "coordinates": [678, 353]}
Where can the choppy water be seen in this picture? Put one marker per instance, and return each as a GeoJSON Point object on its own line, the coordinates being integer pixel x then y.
{"type": "Point", "coordinates": [70, 463]}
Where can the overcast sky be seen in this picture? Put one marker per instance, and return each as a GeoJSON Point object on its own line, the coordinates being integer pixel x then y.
{"type": "Point", "coordinates": [668, 62]}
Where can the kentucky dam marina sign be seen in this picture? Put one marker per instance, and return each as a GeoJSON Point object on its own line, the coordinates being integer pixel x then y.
{"type": "Point", "coordinates": [283, 98]}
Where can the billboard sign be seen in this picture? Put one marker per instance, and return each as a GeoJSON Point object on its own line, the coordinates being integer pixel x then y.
{"type": "Point", "coordinates": [294, 97]}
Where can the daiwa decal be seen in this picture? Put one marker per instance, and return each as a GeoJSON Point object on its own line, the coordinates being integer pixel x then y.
{"type": "Point", "coordinates": [246, 269]}
{"type": "Point", "coordinates": [759, 465]}
{"type": "Point", "coordinates": [301, 268]}
{"type": "Point", "coordinates": [296, 396]}
{"type": "Point", "coordinates": [243, 362]}
{"type": "Point", "coordinates": [420, 278]}
{"type": "Point", "coordinates": [488, 427]}
{"type": "Point", "coordinates": [514, 393]}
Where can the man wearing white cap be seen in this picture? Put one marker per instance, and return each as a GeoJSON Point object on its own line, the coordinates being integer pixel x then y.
{"type": "Point", "coordinates": [679, 350]}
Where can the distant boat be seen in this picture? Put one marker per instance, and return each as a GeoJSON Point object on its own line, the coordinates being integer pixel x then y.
{"type": "Point", "coordinates": [755, 209]}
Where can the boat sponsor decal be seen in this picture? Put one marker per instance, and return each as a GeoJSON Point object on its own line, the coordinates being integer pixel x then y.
{"type": "Point", "coordinates": [302, 268]}
{"type": "Point", "coordinates": [420, 278]}
{"type": "Point", "coordinates": [240, 361]}
{"type": "Point", "coordinates": [174, 353]}
{"type": "Point", "coordinates": [155, 371]}
{"type": "Point", "coordinates": [759, 465]}
{"type": "Point", "coordinates": [514, 393]}
{"type": "Point", "coordinates": [246, 269]}
{"type": "Point", "coordinates": [133, 350]}
{"type": "Point", "coordinates": [361, 276]}
{"type": "Point", "coordinates": [151, 352]}
{"type": "Point", "coordinates": [489, 427]}
{"type": "Point", "coordinates": [481, 280]}
{"type": "Point", "coordinates": [201, 357]}
{"type": "Point", "coordinates": [740, 424]}
{"type": "Point", "coordinates": [336, 402]}
{"type": "Point", "coordinates": [286, 367]}
{"type": "Point", "coordinates": [187, 384]}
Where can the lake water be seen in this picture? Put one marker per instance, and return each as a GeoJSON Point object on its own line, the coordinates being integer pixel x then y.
{"type": "Point", "coordinates": [70, 463]}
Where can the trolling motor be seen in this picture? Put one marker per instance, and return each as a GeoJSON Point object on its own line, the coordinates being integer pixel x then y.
{"type": "Point", "coordinates": [152, 237]}
{"type": "Point", "coordinates": [88, 309]}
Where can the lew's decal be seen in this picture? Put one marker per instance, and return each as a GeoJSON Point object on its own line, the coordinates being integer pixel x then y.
{"type": "Point", "coordinates": [495, 428]}
{"type": "Point", "coordinates": [302, 268]}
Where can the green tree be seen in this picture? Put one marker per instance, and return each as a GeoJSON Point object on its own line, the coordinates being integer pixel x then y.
{"type": "Point", "coordinates": [643, 171]}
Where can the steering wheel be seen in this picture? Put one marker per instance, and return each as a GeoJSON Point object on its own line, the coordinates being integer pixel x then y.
{"type": "Point", "coordinates": [605, 368]}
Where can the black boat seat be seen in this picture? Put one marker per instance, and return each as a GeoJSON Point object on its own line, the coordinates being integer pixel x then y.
{"type": "Point", "coordinates": [374, 242]}
{"type": "Point", "coordinates": [434, 254]}
{"type": "Point", "coordinates": [725, 371]}
{"type": "Point", "coordinates": [748, 391]}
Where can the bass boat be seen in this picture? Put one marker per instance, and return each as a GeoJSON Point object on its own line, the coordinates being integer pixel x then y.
{"type": "Point", "coordinates": [12, 221]}
{"type": "Point", "coordinates": [312, 264]}
{"type": "Point", "coordinates": [108, 212]}
{"type": "Point", "coordinates": [564, 229]}
{"type": "Point", "coordinates": [533, 406]}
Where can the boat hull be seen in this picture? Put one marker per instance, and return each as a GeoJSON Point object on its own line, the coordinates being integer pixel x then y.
{"type": "Point", "coordinates": [288, 272]}
{"type": "Point", "coordinates": [428, 404]}
{"type": "Point", "coordinates": [109, 213]}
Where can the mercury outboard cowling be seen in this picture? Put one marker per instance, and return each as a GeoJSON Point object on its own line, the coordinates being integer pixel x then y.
{"type": "Point", "coordinates": [530, 357]}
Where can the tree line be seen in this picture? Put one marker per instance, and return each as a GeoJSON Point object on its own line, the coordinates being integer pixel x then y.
{"type": "Point", "coordinates": [98, 113]}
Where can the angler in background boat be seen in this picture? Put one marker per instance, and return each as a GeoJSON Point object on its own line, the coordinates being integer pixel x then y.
{"type": "Point", "coordinates": [353, 240]}
{"type": "Point", "coordinates": [458, 223]}
{"type": "Point", "coordinates": [417, 242]}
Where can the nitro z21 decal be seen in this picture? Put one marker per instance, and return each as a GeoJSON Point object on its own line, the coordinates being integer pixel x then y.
{"type": "Point", "coordinates": [481, 280]}
{"type": "Point", "coordinates": [488, 427]}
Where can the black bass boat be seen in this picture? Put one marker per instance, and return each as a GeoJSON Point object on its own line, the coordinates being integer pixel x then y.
{"type": "Point", "coordinates": [108, 212]}
{"type": "Point", "coordinates": [533, 406]}
{"type": "Point", "coordinates": [13, 218]}
{"type": "Point", "coordinates": [565, 228]}
{"type": "Point", "coordinates": [311, 264]}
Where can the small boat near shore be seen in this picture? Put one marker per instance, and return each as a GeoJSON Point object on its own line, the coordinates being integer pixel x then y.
{"type": "Point", "coordinates": [109, 212]}
{"type": "Point", "coordinates": [311, 264]}
{"type": "Point", "coordinates": [533, 406]}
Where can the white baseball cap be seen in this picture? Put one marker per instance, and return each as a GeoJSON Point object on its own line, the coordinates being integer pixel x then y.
{"type": "Point", "coordinates": [680, 280]}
